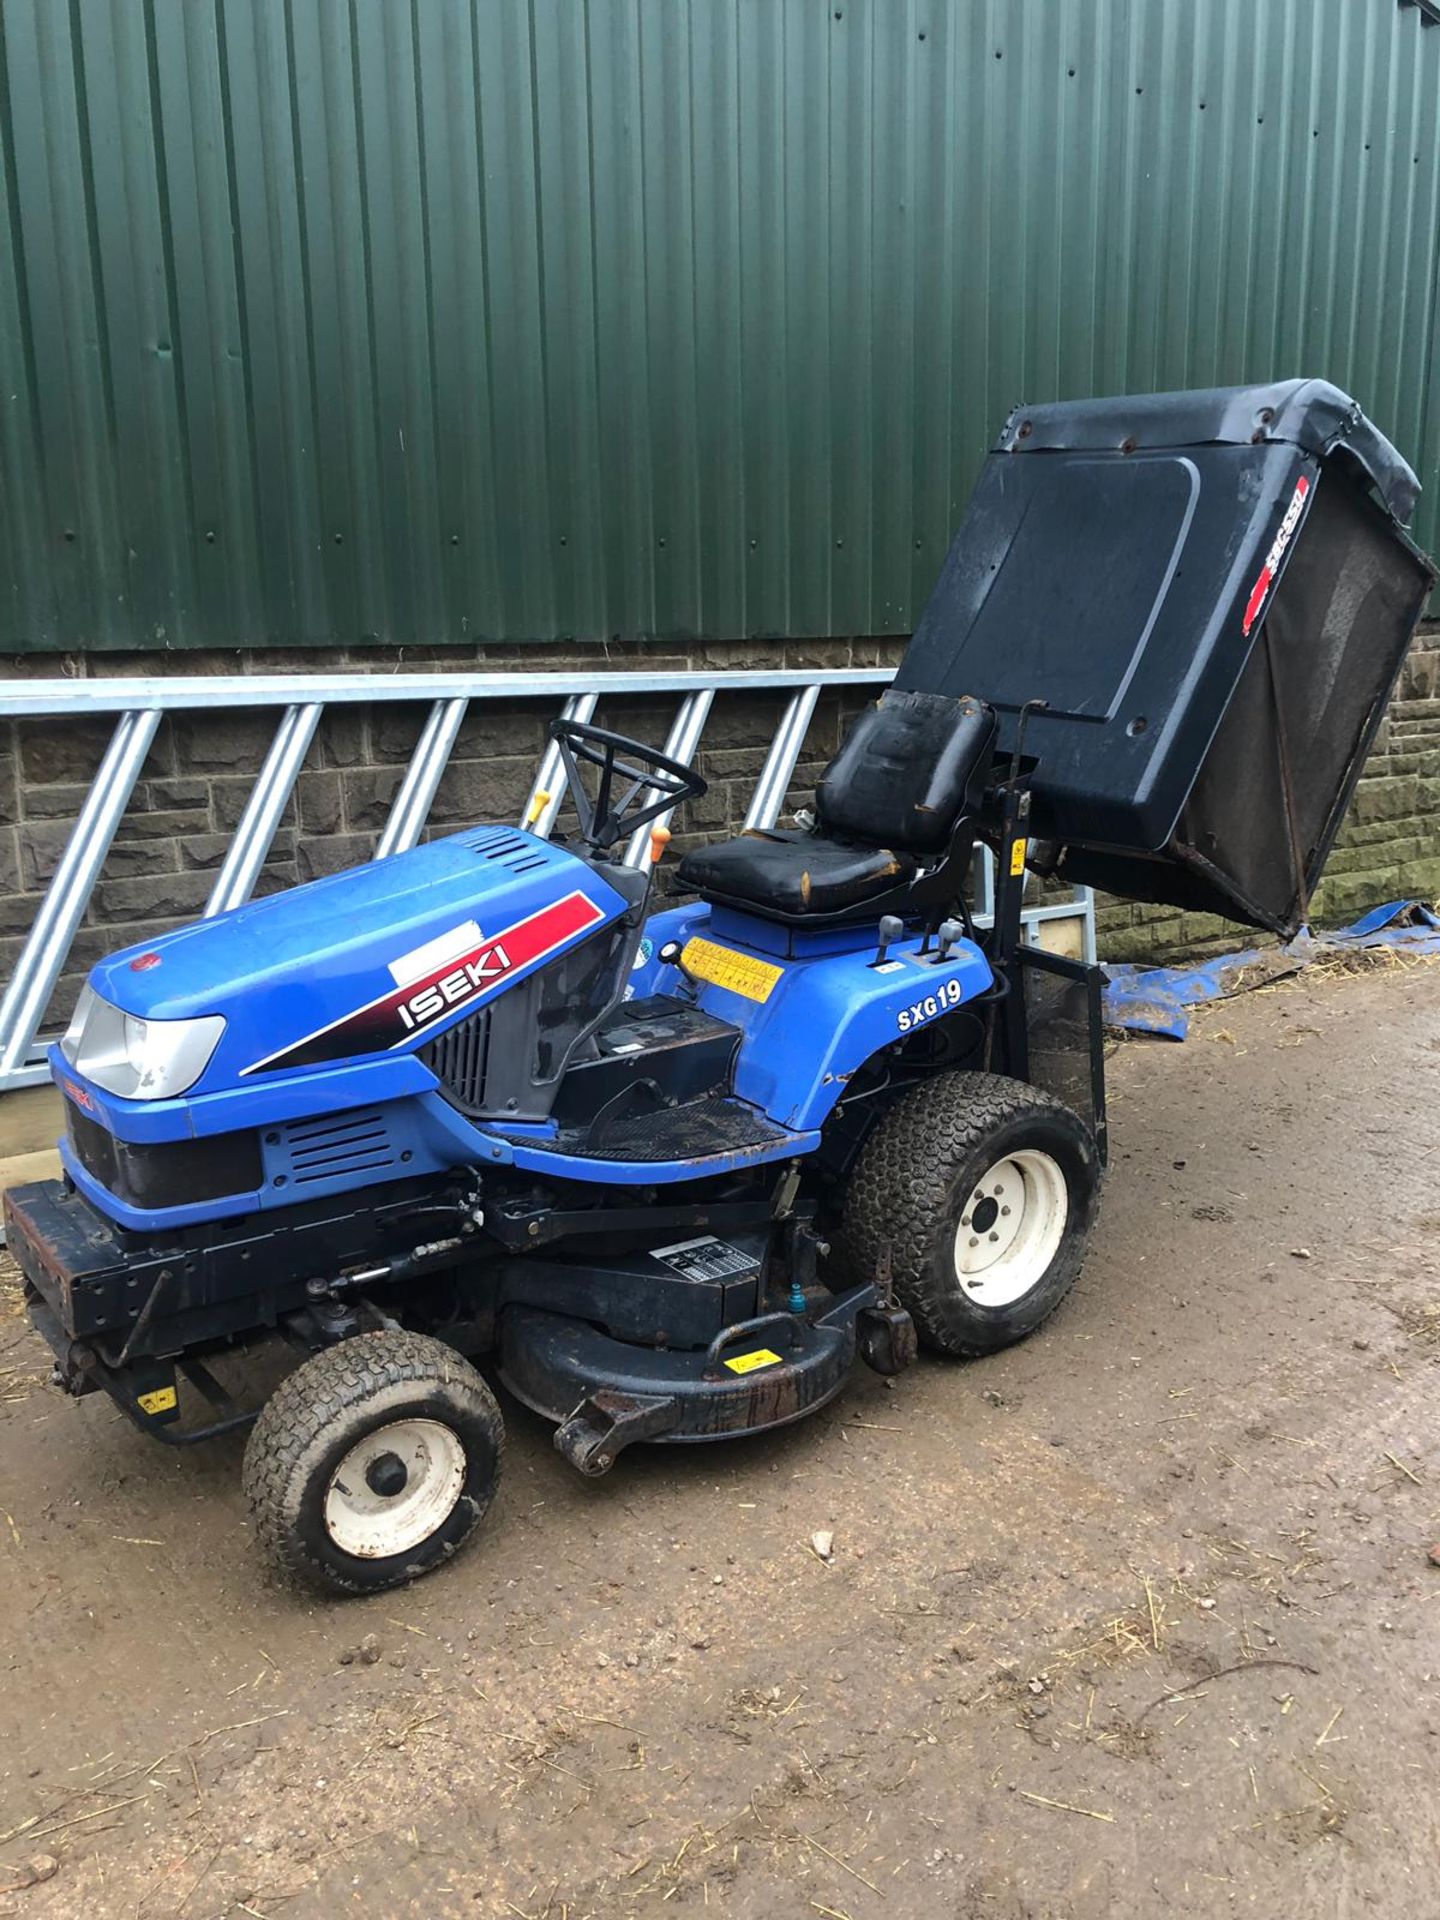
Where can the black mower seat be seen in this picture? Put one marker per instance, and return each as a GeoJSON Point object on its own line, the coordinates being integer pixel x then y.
{"type": "Point", "coordinates": [794, 872]}
{"type": "Point", "coordinates": [886, 806]}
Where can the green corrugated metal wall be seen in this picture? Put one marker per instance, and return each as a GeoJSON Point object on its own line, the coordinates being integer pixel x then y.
{"type": "Point", "coordinates": [436, 321]}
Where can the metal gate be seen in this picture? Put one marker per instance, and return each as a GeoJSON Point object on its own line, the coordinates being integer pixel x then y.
{"type": "Point", "coordinates": [300, 700]}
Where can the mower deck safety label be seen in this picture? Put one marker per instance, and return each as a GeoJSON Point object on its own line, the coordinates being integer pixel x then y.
{"type": "Point", "coordinates": [737, 972]}
{"type": "Point", "coordinates": [705, 1259]}
{"type": "Point", "coordinates": [749, 1362]}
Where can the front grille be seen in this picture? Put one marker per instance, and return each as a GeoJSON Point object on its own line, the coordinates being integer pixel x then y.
{"type": "Point", "coordinates": [166, 1173]}
{"type": "Point", "coordinates": [459, 1057]}
{"type": "Point", "coordinates": [336, 1145]}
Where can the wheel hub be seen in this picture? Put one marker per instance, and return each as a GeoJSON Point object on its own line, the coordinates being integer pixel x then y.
{"type": "Point", "coordinates": [387, 1475]}
{"type": "Point", "coordinates": [1010, 1226]}
{"type": "Point", "coordinates": [986, 1213]}
{"type": "Point", "coordinates": [395, 1488]}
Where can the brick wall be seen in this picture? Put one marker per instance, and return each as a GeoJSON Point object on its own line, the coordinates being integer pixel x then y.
{"type": "Point", "coordinates": [200, 770]}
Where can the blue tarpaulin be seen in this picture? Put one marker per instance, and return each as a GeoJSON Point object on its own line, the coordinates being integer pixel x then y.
{"type": "Point", "coordinates": [1155, 1000]}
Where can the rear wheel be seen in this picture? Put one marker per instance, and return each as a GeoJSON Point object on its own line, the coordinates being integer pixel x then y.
{"type": "Point", "coordinates": [983, 1190]}
{"type": "Point", "coordinates": [373, 1462]}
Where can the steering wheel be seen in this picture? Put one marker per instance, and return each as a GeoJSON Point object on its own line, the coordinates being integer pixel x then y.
{"type": "Point", "coordinates": [604, 820]}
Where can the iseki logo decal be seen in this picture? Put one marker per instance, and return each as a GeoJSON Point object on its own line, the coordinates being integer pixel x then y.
{"type": "Point", "coordinates": [462, 983]}
{"type": "Point", "coordinates": [457, 969]}
{"type": "Point", "coordinates": [1261, 589]}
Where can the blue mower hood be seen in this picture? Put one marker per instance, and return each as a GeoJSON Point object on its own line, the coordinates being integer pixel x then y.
{"type": "Point", "coordinates": [365, 961]}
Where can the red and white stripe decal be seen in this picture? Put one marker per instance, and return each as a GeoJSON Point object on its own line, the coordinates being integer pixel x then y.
{"type": "Point", "coordinates": [1259, 593]}
{"type": "Point", "coordinates": [459, 981]}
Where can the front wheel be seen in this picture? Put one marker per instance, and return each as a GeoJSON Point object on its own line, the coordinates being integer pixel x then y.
{"type": "Point", "coordinates": [373, 1462]}
{"type": "Point", "coordinates": [983, 1190]}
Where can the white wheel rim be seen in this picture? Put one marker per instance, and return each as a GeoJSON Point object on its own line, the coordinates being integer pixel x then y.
{"type": "Point", "coordinates": [371, 1511]}
{"type": "Point", "coordinates": [1010, 1227]}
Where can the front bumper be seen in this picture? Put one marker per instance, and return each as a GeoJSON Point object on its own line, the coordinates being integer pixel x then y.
{"type": "Point", "coordinates": [125, 1312]}
{"type": "Point", "coordinates": [81, 1288]}
{"type": "Point", "coordinates": [89, 1276]}
{"type": "Point", "coordinates": [130, 1295]}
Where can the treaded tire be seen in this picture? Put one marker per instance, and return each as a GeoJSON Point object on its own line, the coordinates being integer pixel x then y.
{"type": "Point", "coordinates": [917, 1172]}
{"type": "Point", "coordinates": [331, 1403]}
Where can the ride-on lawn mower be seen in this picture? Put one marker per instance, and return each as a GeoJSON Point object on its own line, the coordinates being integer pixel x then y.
{"type": "Point", "coordinates": [674, 1165]}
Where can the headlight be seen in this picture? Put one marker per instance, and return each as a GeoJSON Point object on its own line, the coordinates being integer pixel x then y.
{"type": "Point", "coordinates": [137, 1058]}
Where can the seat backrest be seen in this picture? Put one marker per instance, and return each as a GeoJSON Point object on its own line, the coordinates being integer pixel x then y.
{"type": "Point", "coordinates": [908, 768]}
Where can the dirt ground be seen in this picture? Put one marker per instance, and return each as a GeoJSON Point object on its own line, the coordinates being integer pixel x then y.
{"type": "Point", "coordinates": [1135, 1619]}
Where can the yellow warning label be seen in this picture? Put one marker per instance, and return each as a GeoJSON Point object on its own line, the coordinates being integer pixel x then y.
{"type": "Point", "coordinates": [1017, 857]}
{"type": "Point", "coordinates": [160, 1401]}
{"type": "Point", "coordinates": [750, 1362]}
{"type": "Point", "coordinates": [736, 972]}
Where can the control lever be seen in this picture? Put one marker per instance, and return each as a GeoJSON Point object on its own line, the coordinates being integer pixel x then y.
{"type": "Point", "coordinates": [891, 928]}
{"type": "Point", "coordinates": [949, 932]}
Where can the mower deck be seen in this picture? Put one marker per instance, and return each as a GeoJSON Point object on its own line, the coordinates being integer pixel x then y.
{"type": "Point", "coordinates": [604, 1393]}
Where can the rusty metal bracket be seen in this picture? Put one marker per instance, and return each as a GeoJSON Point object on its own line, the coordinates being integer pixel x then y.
{"type": "Point", "coordinates": [606, 1421]}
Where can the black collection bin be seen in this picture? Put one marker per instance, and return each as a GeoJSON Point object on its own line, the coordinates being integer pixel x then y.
{"type": "Point", "coordinates": [1214, 593]}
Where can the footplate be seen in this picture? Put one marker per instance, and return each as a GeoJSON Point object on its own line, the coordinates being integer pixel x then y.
{"type": "Point", "coordinates": [605, 1393]}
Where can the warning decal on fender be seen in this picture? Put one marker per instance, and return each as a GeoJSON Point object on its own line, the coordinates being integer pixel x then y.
{"type": "Point", "coordinates": [737, 972]}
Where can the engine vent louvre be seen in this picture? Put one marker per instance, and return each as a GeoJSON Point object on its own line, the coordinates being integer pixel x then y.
{"type": "Point", "coordinates": [516, 852]}
{"type": "Point", "coordinates": [331, 1147]}
{"type": "Point", "coordinates": [458, 1058]}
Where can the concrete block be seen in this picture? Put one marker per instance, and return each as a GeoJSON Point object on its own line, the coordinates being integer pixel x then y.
{"type": "Point", "coordinates": [221, 741]}
{"type": "Point", "coordinates": [368, 794]}
{"type": "Point", "coordinates": [166, 825]}
{"type": "Point", "coordinates": [344, 737]}
{"type": "Point", "coordinates": [478, 791]}
{"type": "Point", "coordinates": [1386, 798]}
{"type": "Point", "coordinates": [67, 749]}
{"type": "Point", "coordinates": [9, 780]}
{"type": "Point", "coordinates": [314, 858]}
{"type": "Point", "coordinates": [118, 902]}
{"type": "Point", "coordinates": [394, 731]}
{"type": "Point", "coordinates": [319, 800]}
{"type": "Point", "coordinates": [488, 731]}
{"type": "Point", "coordinates": [17, 916]}
{"type": "Point", "coordinates": [59, 802]}
{"type": "Point", "coordinates": [1343, 897]}
{"type": "Point", "coordinates": [186, 794]}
